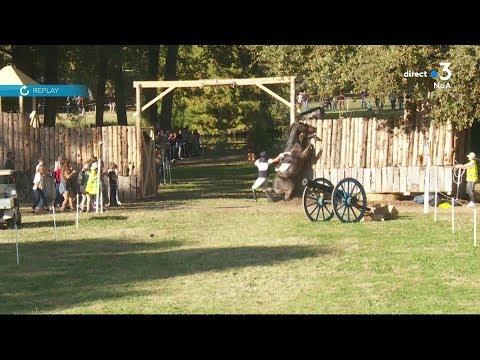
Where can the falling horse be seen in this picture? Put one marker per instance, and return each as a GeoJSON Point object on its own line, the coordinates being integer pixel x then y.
{"type": "Point", "coordinates": [294, 160]}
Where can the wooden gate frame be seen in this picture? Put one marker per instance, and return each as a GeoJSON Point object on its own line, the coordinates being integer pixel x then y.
{"type": "Point", "coordinates": [170, 85]}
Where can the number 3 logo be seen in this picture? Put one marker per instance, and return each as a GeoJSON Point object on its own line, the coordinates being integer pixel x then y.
{"type": "Point", "coordinates": [445, 68]}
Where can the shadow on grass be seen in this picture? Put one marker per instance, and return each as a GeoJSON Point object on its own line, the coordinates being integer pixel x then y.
{"type": "Point", "coordinates": [46, 222]}
{"type": "Point", "coordinates": [57, 275]}
{"type": "Point", "coordinates": [108, 217]}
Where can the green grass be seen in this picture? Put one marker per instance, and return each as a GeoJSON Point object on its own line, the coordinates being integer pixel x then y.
{"type": "Point", "coordinates": [354, 110]}
{"type": "Point", "coordinates": [76, 120]}
{"type": "Point", "coordinates": [204, 247]}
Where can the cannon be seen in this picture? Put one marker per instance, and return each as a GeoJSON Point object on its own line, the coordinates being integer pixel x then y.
{"type": "Point", "coordinates": [347, 200]}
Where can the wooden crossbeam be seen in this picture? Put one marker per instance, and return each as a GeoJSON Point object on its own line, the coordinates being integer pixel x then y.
{"type": "Point", "coordinates": [213, 82]}
{"type": "Point", "coordinates": [154, 100]}
{"type": "Point", "coordinates": [276, 96]}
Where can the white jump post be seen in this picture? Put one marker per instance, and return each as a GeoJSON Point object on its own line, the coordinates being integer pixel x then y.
{"type": "Point", "coordinates": [54, 221]}
{"type": "Point", "coordinates": [436, 194]}
{"type": "Point", "coordinates": [453, 216]}
{"type": "Point", "coordinates": [16, 238]}
{"type": "Point", "coordinates": [426, 194]}
{"type": "Point", "coordinates": [99, 178]}
{"type": "Point", "coordinates": [475, 227]}
{"type": "Point", "coordinates": [76, 220]}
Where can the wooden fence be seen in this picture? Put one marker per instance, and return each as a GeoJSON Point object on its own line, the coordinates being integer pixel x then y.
{"type": "Point", "coordinates": [78, 145]}
{"type": "Point", "coordinates": [387, 155]}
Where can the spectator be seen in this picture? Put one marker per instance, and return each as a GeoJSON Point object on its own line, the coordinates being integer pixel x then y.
{"type": "Point", "coordinates": [472, 176]}
{"type": "Point", "coordinates": [40, 162]}
{"type": "Point", "coordinates": [38, 190]}
{"type": "Point", "coordinates": [9, 164]}
{"type": "Point", "coordinates": [341, 101]}
{"type": "Point", "coordinates": [113, 180]}
{"type": "Point", "coordinates": [300, 99]}
{"type": "Point", "coordinates": [67, 185]}
{"type": "Point", "coordinates": [82, 182]}
{"type": "Point", "coordinates": [363, 97]}
{"type": "Point", "coordinates": [68, 103]}
{"type": "Point", "coordinates": [400, 102]}
{"type": "Point", "coordinates": [393, 100]}
{"type": "Point", "coordinates": [196, 143]}
{"type": "Point", "coordinates": [92, 184]}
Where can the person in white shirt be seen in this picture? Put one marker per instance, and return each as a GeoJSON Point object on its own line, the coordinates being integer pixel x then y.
{"type": "Point", "coordinates": [262, 164]}
{"type": "Point", "coordinates": [38, 192]}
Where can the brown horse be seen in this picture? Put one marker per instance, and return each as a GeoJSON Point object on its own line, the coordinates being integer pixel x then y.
{"type": "Point", "coordinates": [294, 160]}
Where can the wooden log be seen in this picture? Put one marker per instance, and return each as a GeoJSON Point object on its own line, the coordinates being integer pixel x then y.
{"type": "Point", "coordinates": [396, 180]}
{"type": "Point", "coordinates": [415, 152]}
{"type": "Point", "coordinates": [395, 146]}
{"type": "Point", "coordinates": [329, 143]}
{"type": "Point", "coordinates": [384, 188]}
{"type": "Point", "coordinates": [441, 144]}
{"type": "Point", "coordinates": [373, 180]}
{"type": "Point", "coordinates": [357, 144]}
{"type": "Point", "coordinates": [448, 158]}
{"type": "Point", "coordinates": [380, 149]}
{"type": "Point", "coordinates": [343, 143]}
{"type": "Point", "coordinates": [421, 145]}
{"type": "Point", "coordinates": [411, 136]}
{"type": "Point", "coordinates": [367, 150]}
{"type": "Point", "coordinates": [374, 152]}
{"type": "Point", "coordinates": [3, 140]}
{"type": "Point", "coordinates": [389, 158]}
{"type": "Point", "coordinates": [106, 146]}
{"type": "Point", "coordinates": [124, 154]}
{"type": "Point", "coordinates": [348, 135]}
{"type": "Point", "coordinates": [324, 144]}
{"type": "Point", "coordinates": [366, 181]}
{"type": "Point", "coordinates": [333, 145]}
{"type": "Point", "coordinates": [12, 128]}
{"type": "Point", "coordinates": [415, 178]}
{"type": "Point", "coordinates": [421, 178]}
{"type": "Point", "coordinates": [447, 180]}
{"type": "Point", "coordinates": [338, 144]}
{"type": "Point", "coordinates": [52, 156]}
{"type": "Point", "coordinates": [353, 135]}
{"type": "Point", "coordinates": [403, 179]}
{"type": "Point", "coordinates": [21, 143]}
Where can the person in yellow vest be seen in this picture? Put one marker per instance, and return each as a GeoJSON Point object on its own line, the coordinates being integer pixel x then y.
{"type": "Point", "coordinates": [472, 176]}
{"type": "Point", "coordinates": [92, 183]}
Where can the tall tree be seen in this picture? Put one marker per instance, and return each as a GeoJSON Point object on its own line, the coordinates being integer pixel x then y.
{"type": "Point", "coordinates": [153, 72]}
{"type": "Point", "coordinates": [23, 60]}
{"type": "Point", "coordinates": [117, 75]}
{"type": "Point", "coordinates": [170, 74]}
{"type": "Point", "coordinates": [101, 78]}
{"type": "Point", "coordinates": [51, 77]}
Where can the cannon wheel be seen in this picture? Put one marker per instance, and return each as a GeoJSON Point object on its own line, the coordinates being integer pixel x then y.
{"type": "Point", "coordinates": [349, 200]}
{"type": "Point", "coordinates": [317, 202]}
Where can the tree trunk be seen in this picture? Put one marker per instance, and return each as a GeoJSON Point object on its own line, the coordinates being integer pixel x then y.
{"type": "Point", "coordinates": [51, 77]}
{"type": "Point", "coordinates": [117, 74]}
{"type": "Point", "coordinates": [101, 73]}
{"type": "Point", "coordinates": [153, 55]}
{"type": "Point", "coordinates": [23, 61]}
{"type": "Point", "coordinates": [170, 74]}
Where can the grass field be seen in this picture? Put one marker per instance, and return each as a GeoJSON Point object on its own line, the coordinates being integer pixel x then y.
{"type": "Point", "coordinates": [203, 246]}
{"type": "Point", "coordinates": [355, 110]}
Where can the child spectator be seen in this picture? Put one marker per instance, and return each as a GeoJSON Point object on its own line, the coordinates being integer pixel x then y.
{"type": "Point", "coordinates": [40, 162]}
{"type": "Point", "coordinates": [82, 182]}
